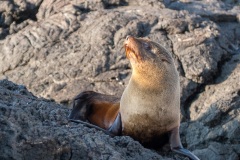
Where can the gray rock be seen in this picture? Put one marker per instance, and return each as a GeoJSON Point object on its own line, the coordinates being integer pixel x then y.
{"type": "Point", "coordinates": [216, 113]}
{"type": "Point", "coordinates": [33, 128]}
{"type": "Point", "coordinates": [59, 48]}
{"type": "Point", "coordinates": [16, 12]}
{"type": "Point", "coordinates": [218, 11]}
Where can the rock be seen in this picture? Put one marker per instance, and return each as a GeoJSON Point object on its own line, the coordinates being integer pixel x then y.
{"type": "Point", "coordinates": [218, 11]}
{"type": "Point", "coordinates": [35, 128]}
{"type": "Point", "coordinates": [215, 116]}
{"type": "Point", "coordinates": [59, 48]}
{"type": "Point", "coordinates": [16, 12]}
{"type": "Point", "coordinates": [66, 32]}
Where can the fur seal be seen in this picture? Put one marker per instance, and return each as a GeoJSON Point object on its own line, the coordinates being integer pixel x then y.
{"type": "Point", "coordinates": [152, 97]}
{"type": "Point", "coordinates": [150, 104]}
{"type": "Point", "coordinates": [149, 108]}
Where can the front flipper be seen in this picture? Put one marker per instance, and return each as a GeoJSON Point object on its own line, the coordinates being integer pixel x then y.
{"type": "Point", "coordinates": [116, 128]}
{"type": "Point", "coordinates": [177, 147]}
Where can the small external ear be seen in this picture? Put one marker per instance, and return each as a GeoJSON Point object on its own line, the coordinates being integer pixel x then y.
{"type": "Point", "coordinates": [165, 60]}
{"type": "Point", "coordinates": [146, 45]}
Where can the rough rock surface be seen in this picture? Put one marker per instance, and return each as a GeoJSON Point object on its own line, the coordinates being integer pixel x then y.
{"type": "Point", "coordinates": [59, 48]}
{"type": "Point", "coordinates": [33, 128]}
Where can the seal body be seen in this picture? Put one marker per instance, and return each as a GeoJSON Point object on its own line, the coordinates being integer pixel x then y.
{"type": "Point", "coordinates": [150, 104]}
{"type": "Point", "coordinates": [96, 108]}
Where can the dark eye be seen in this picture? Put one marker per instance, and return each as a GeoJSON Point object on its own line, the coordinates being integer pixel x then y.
{"type": "Point", "coordinates": [146, 45]}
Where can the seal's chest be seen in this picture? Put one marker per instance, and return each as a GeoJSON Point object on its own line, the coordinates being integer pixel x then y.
{"type": "Point", "coordinates": [143, 128]}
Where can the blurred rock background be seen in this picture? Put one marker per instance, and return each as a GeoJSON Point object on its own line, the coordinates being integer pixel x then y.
{"type": "Point", "coordinates": [58, 48]}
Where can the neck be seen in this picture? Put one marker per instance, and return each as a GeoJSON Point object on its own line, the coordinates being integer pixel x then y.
{"type": "Point", "coordinates": [154, 79]}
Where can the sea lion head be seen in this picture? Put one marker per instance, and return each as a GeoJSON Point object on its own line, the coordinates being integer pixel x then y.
{"type": "Point", "coordinates": [149, 59]}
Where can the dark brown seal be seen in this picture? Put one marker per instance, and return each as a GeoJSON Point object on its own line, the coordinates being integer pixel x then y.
{"type": "Point", "coordinates": [98, 109]}
{"type": "Point", "coordinates": [150, 105]}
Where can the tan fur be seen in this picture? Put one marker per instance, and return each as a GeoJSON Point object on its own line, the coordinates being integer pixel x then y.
{"type": "Point", "coordinates": [150, 104]}
{"type": "Point", "coordinates": [103, 114]}
{"type": "Point", "coordinates": [96, 108]}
